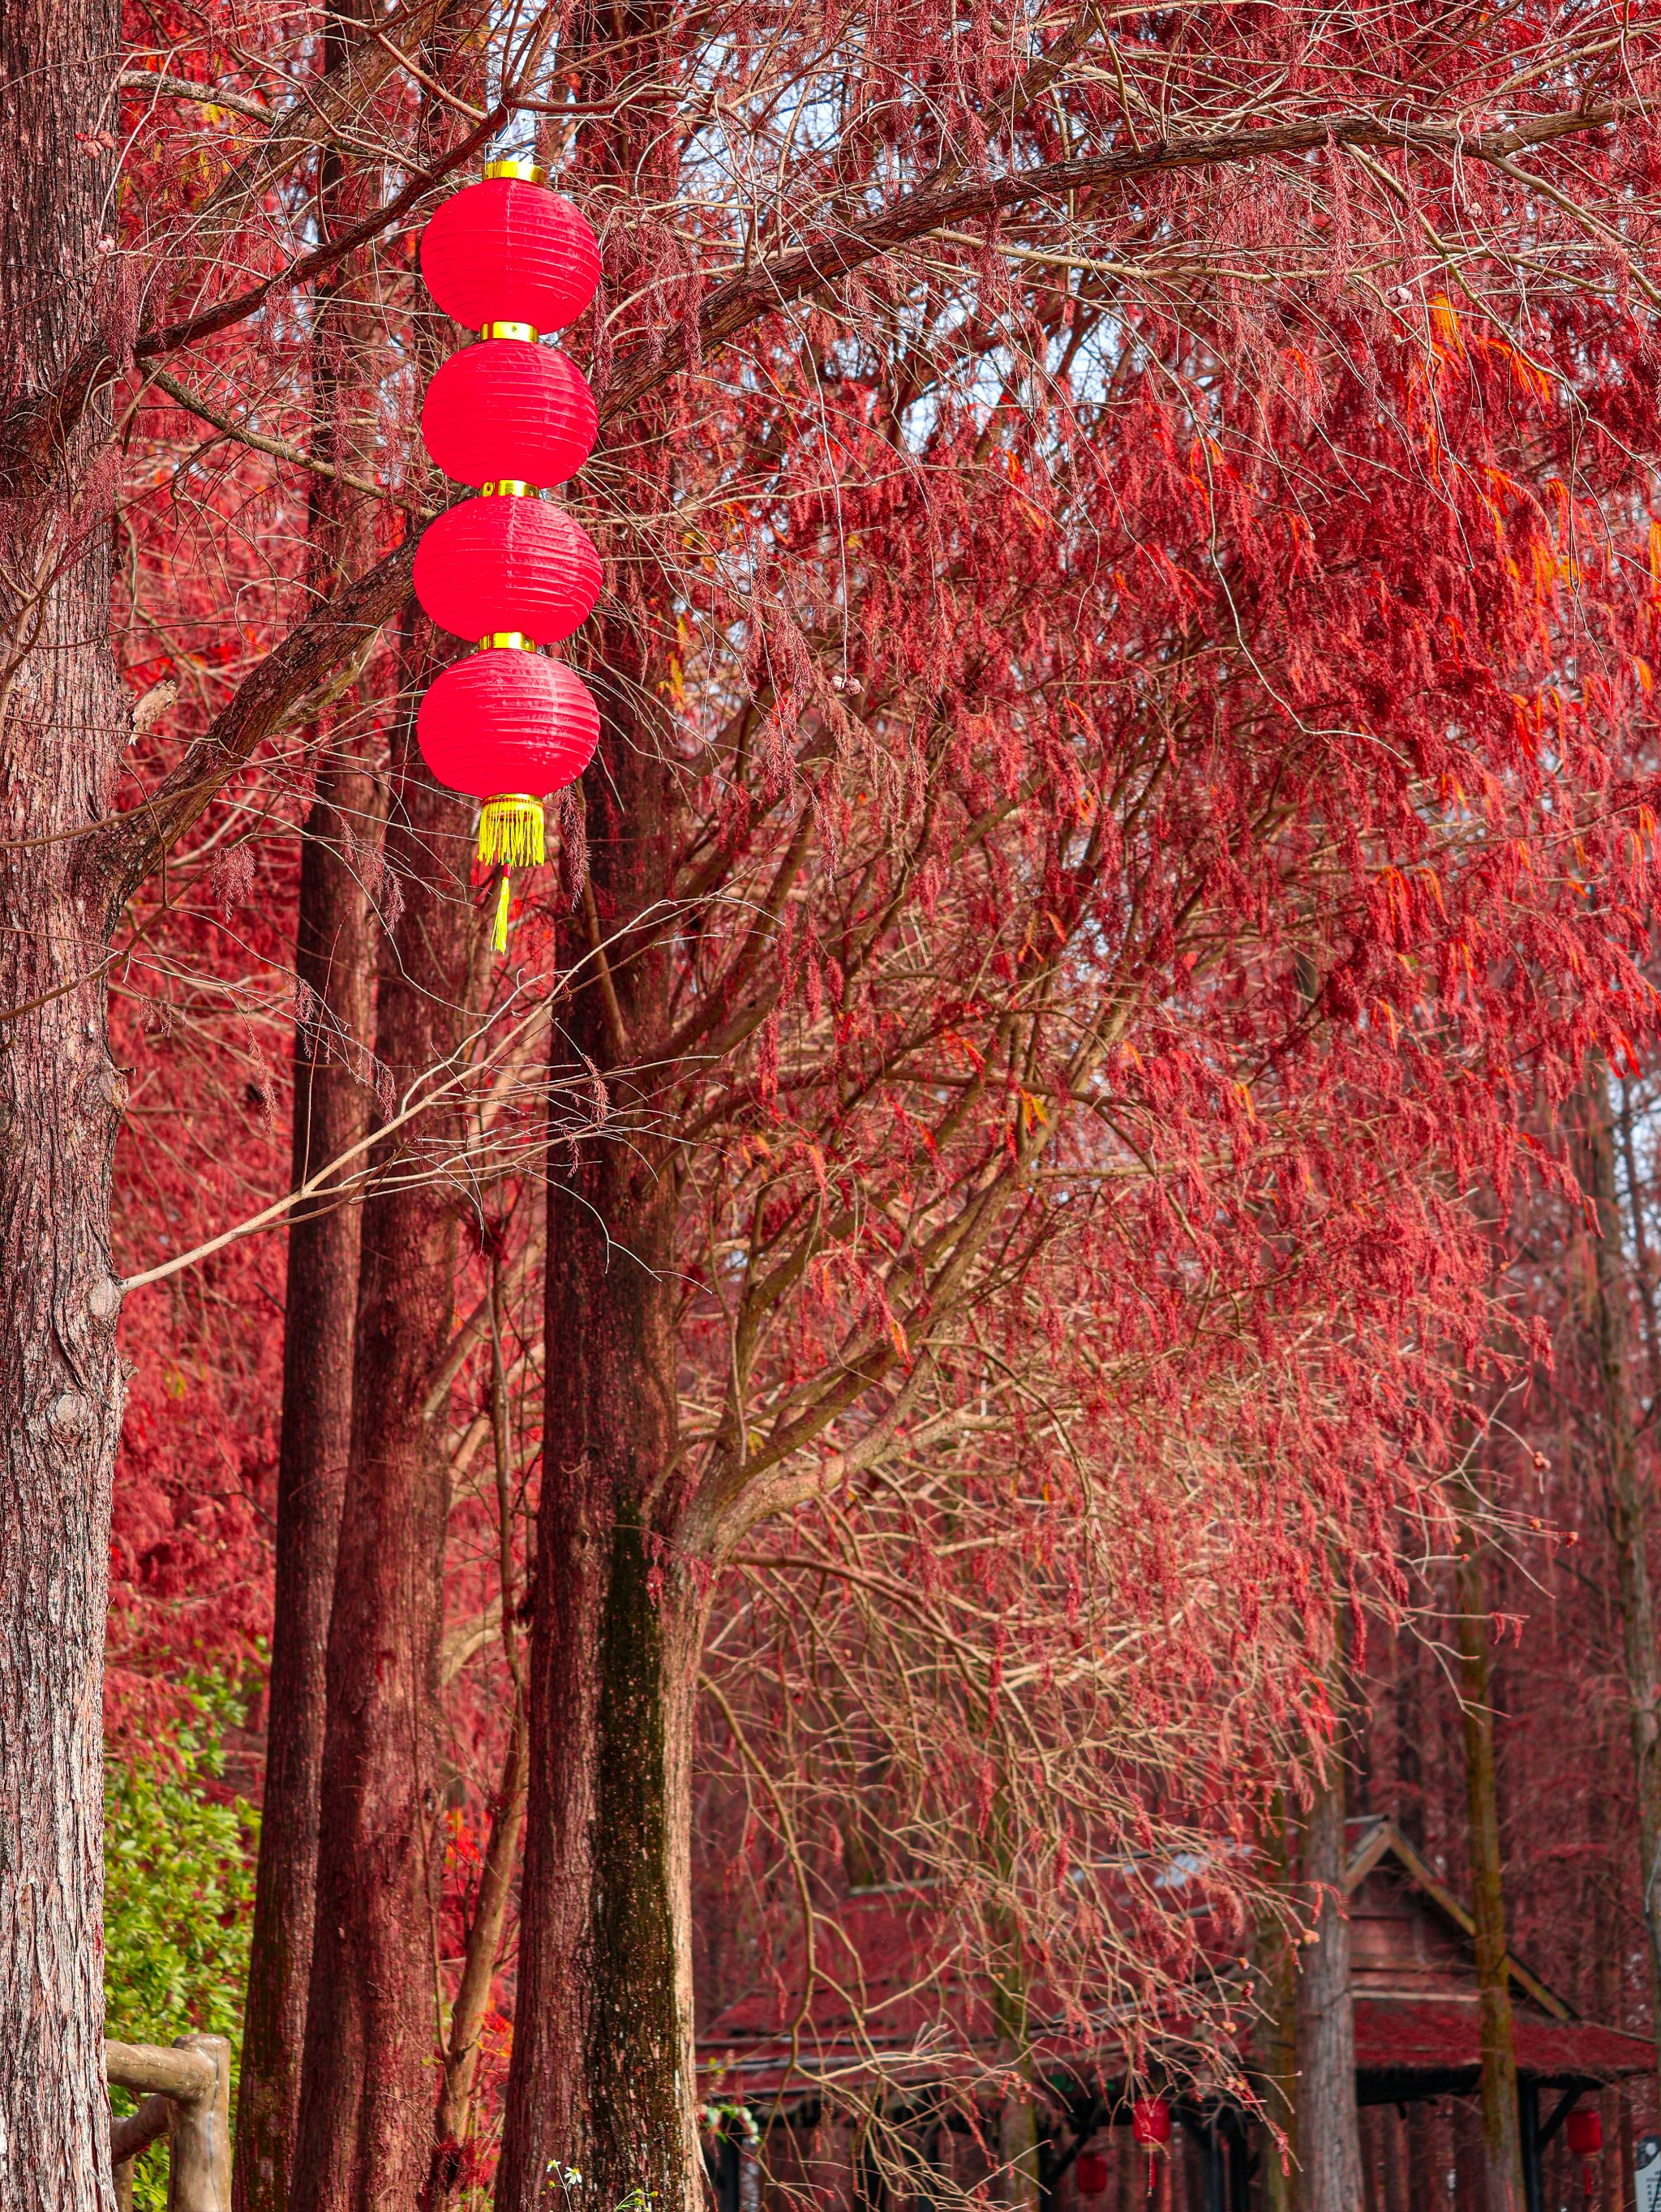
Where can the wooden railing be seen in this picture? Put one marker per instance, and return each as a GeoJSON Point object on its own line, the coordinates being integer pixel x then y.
{"type": "Point", "coordinates": [186, 2093]}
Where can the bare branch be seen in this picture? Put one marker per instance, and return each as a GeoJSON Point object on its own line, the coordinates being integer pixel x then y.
{"type": "Point", "coordinates": [836, 253]}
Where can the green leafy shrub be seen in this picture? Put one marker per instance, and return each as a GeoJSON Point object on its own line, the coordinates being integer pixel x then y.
{"type": "Point", "coordinates": [179, 1872]}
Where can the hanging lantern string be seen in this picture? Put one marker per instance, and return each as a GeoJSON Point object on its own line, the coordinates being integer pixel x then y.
{"type": "Point", "coordinates": [499, 926]}
{"type": "Point", "coordinates": [510, 259]}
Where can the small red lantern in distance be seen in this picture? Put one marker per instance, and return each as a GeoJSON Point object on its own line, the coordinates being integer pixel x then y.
{"type": "Point", "coordinates": [1090, 2167]}
{"type": "Point", "coordinates": [1585, 2131]}
{"type": "Point", "coordinates": [1150, 2123]}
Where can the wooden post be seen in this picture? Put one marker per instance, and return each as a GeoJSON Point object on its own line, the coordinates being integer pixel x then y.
{"type": "Point", "coordinates": [188, 2088]}
{"type": "Point", "coordinates": [201, 2177]}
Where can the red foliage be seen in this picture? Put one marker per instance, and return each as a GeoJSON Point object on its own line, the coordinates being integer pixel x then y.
{"type": "Point", "coordinates": [1158, 804]}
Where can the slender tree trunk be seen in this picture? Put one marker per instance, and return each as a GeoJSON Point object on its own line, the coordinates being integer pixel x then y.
{"type": "Point", "coordinates": [1017, 2114]}
{"type": "Point", "coordinates": [1277, 1979]}
{"type": "Point", "coordinates": [1626, 1505]}
{"type": "Point", "coordinates": [1408, 1706]}
{"type": "Point", "coordinates": [367, 2092]}
{"type": "Point", "coordinates": [64, 722]}
{"type": "Point", "coordinates": [1600, 1991]}
{"type": "Point", "coordinates": [1501, 2126]}
{"type": "Point", "coordinates": [602, 2074]}
{"type": "Point", "coordinates": [1329, 2134]}
{"type": "Point", "coordinates": [455, 2098]}
{"type": "Point", "coordinates": [334, 963]}
{"type": "Point", "coordinates": [1426, 2168]}
{"type": "Point", "coordinates": [364, 2141]}
{"type": "Point", "coordinates": [1393, 2160]}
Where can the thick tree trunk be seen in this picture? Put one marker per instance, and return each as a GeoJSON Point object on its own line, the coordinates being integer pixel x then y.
{"type": "Point", "coordinates": [334, 961]}
{"type": "Point", "coordinates": [63, 720]}
{"type": "Point", "coordinates": [1501, 2125]}
{"type": "Point", "coordinates": [602, 2073]}
{"type": "Point", "coordinates": [1329, 2134]}
{"type": "Point", "coordinates": [366, 2083]}
{"type": "Point", "coordinates": [331, 1113]}
{"type": "Point", "coordinates": [1626, 1505]}
{"type": "Point", "coordinates": [1018, 2153]}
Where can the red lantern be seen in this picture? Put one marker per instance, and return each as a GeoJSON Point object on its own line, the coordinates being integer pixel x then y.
{"type": "Point", "coordinates": [503, 411]}
{"type": "Point", "coordinates": [508, 725]}
{"type": "Point", "coordinates": [1585, 2131]}
{"type": "Point", "coordinates": [1150, 2123]}
{"type": "Point", "coordinates": [1090, 2167]}
{"type": "Point", "coordinates": [511, 720]}
{"type": "Point", "coordinates": [510, 250]}
{"type": "Point", "coordinates": [506, 563]}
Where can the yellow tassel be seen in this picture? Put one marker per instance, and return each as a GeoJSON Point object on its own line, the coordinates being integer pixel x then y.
{"type": "Point", "coordinates": [510, 830]}
{"type": "Point", "coordinates": [499, 932]}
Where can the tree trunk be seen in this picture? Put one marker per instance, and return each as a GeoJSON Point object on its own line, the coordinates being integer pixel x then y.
{"type": "Point", "coordinates": [1018, 2153]}
{"type": "Point", "coordinates": [602, 2075]}
{"type": "Point", "coordinates": [1329, 2136]}
{"type": "Point", "coordinates": [454, 2120]}
{"type": "Point", "coordinates": [455, 2097]}
{"type": "Point", "coordinates": [1277, 1984]}
{"type": "Point", "coordinates": [1626, 1504]}
{"type": "Point", "coordinates": [366, 2089]}
{"type": "Point", "coordinates": [64, 722]}
{"type": "Point", "coordinates": [602, 2072]}
{"type": "Point", "coordinates": [333, 969]}
{"type": "Point", "coordinates": [1408, 1796]}
{"type": "Point", "coordinates": [1017, 2113]}
{"type": "Point", "coordinates": [1501, 2126]}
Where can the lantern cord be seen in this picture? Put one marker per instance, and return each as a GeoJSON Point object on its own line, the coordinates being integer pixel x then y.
{"type": "Point", "coordinates": [499, 929]}
{"type": "Point", "coordinates": [510, 830]}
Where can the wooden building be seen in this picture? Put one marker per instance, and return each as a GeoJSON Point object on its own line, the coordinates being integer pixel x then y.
{"type": "Point", "coordinates": [871, 2029]}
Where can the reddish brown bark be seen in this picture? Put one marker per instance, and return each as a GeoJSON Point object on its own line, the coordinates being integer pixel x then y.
{"type": "Point", "coordinates": [334, 966]}
{"type": "Point", "coordinates": [367, 2092]}
{"type": "Point", "coordinates": [365, 2120]}
{"type": "Point", "coordinates": [454, 2120]}
{"type": "Point", "coordinates": [1626, 1499]}
{"type": "Point", "coordinates": [1502, 2140]}
{"type": "Point", "coordinates": [1277, 1984]}
{"type": "Point", "coordinates": [601, 2068]}
{"type": "Point", "coordinates": [455, 2101]}
{"type": "Point", "coordinates": [1329, 2138]}
{"type": "Point", "coordinates": [63, 720]}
